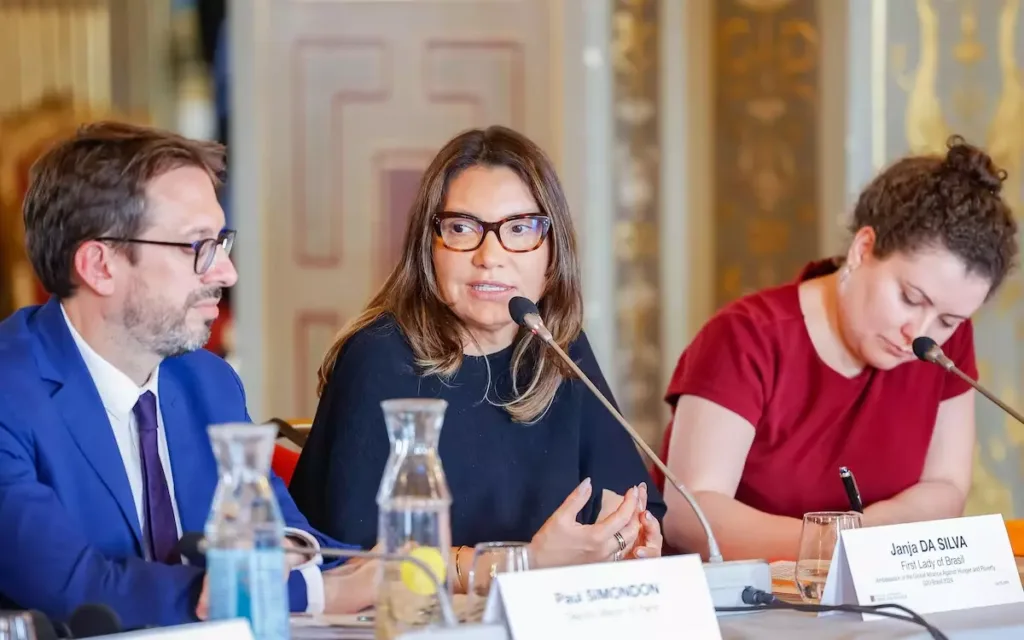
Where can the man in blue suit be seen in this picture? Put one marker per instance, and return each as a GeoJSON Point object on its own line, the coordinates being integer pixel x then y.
{"type": "Point", "coordinates": [106, 393]}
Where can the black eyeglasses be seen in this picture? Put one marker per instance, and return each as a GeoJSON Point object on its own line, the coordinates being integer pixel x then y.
{"type": "Point", "coordinates": [521, 233]}
{"type": "Point", "coordinates": [205, 250]}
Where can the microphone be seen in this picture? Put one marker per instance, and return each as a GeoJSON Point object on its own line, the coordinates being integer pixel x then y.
{"type": "Point", "coordinates": [926, 349]}
{"type": "Point", "coordinates": [726, 579]}
{"type": "Point", "coordinates": [448, 617]}
{"type": "Point", "coordinates": [188, 549]}
{"type": "Point", "coordinates": [45, 628]}
{"type": "Point", "coordinates": [526, 314]}
{"type": "Point", "coordinates": [91, 620]}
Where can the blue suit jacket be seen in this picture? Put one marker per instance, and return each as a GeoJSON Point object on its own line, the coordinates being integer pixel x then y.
{"type": "Point", "coordinates": [69, 532]}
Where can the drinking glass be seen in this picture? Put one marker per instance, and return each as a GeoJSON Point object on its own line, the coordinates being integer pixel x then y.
{"type": "Point", "coordinates": [817, 543]}
{"type": "Point", "coordinates": [17, 626]}
{"type": "Point", "coordinates": [492, 558]}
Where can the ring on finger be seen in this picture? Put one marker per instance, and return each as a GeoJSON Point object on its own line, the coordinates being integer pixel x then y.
{"type": "Point", "coordinates": [622, 545]}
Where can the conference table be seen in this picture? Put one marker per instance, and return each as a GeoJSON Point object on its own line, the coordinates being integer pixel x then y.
{"type": "Point", "coordinates": [998, 622]}
{"type": "Point", "coordinates": [1003, 622]}
{"type": "Point", "coordinates": [987, 623]}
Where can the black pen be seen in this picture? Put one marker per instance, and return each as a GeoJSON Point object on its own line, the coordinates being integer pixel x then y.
{"type": "Point", "coordinates": [852, 493]}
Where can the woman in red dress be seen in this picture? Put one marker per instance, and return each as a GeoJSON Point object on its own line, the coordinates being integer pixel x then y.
{"type": "Point", "coordinates": [781, 388]}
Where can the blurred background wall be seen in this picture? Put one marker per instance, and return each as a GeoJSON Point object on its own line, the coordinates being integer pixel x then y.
{"type": "Point", "coordinates": [708, 148]}
{"type": "Point", "coordinates": [937, 68]}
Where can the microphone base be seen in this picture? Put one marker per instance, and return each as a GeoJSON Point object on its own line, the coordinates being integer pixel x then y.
{"type": "Point", "coordinates": [727, 580]}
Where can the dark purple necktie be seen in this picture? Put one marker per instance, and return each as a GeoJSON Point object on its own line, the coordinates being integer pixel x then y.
{"type": "Point", "coordinates": [159, 529]}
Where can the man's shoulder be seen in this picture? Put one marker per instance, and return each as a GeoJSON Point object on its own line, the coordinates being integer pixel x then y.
{"type": "Point", "coordinates": [15, 327]}
{"type": "Point", "coordinates": [212, 388]}
{"type": "Point", "coordinates": [23, 369]}
{"type": "Point", "coordinates": [204, 366]}
{"type": "Point", "coordinates": [19, 372]}
{"type": "Point", "coordinates": [17, 346]}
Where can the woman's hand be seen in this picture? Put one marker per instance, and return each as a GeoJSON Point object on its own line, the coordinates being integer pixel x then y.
{"type": "Point", "coordinates": [648, 543]}
{"type": "Point", "coordinates": [355, 562]}
{"type": "Point", "coordinates": [351, 587]}
{"type": "Point", "coordinates": [564, 541]}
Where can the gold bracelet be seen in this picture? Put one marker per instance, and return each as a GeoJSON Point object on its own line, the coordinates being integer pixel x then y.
{"type": "Point", "coordinates": [458, 568]}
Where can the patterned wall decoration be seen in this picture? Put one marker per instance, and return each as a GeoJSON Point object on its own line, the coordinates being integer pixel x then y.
{"type": "Point", "coordinates": [954, 68]}
{"type": "Point", "coordinates": [60, 48]}
{"type": "Point", "coordinates": [766, 67]}
{"type": "Point", "coordinates": [637, 322]}
{"type": "Point", "coordinates": [399, 172]}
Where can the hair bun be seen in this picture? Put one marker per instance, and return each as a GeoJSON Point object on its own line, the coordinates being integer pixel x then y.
{"type": "Point", "coordinates": [970, 161]}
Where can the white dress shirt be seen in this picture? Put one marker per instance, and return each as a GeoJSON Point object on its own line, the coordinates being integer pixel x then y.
{"type": "Point", "coordinates": [119, 393]}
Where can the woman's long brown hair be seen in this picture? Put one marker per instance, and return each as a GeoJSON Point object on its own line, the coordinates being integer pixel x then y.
{"type": "Point", "coordinates": [412, 296]}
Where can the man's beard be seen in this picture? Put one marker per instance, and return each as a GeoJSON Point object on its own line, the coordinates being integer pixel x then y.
{"type": "Point", "coordinates": [163, 329]}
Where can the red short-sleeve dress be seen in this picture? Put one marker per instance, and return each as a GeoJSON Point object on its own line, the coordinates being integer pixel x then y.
{"type": "Point", "coordinates": [755, 358]}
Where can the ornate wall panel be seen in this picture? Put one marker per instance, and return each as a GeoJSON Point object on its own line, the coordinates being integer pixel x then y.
{"type": "Point", "coordinates": [637, 287]}
{"type": "Point", "coordinates": [945, 67]}
{"type": "Point", "coordinates": [104, 54]}
{"type": "Point", "coordinates": [55, 48]}
{"type": "Point", "coordinates": [765, 138]}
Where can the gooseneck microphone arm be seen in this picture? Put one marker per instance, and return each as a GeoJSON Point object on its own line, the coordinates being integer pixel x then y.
{"type": "Point", "coordinates": [988, 394]}
{"type": "Point", "coordinates": [526, 314]}
{"type": "Point", "coordinates": [448, 617]}
{"type": "Point", "coordinates": [926, 349]}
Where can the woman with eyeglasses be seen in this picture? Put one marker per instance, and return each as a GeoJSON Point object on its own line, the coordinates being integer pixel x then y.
{"type": "Point", "coordinates": [529, 453]}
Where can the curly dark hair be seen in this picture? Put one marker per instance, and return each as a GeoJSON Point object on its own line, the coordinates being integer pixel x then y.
{"type": "Point", "coordinates": [952, 202]}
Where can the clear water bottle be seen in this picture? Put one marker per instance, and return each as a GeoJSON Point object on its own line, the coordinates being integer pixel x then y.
{"type": "Point", "coordinates": [414, 520]}
{"type": "Point", "coordinates": [244, 557]}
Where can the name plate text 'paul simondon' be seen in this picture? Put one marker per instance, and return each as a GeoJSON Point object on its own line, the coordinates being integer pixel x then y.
{"type": "Point", "coordinates": [652, 598]}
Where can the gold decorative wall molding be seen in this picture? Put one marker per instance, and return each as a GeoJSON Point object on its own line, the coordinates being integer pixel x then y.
{"type": "Point", "coordinates": [59, 47]}
{"type": "Point", "coordinates": [1005, 139]}
{"type": "Point", "coordinates": [925, 123]}
{"type": "Point", "coordinates": [967, 80]}
{"type": "Point", "coordinates": [969, 99]}
{"type": "Point", "coordinates": [107, 54]}
{"type": "Point", "coordinates": [635, 62]}
{"type": "Point", "coordinates": [765, 138]}
{"type": "Point", "coordinates": [926, 126]}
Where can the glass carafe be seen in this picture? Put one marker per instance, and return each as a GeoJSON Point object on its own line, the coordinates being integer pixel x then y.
{"type": "Point", "coordinates": [244, 557]}
{"type": "Point", "coordinates": [414, 505]}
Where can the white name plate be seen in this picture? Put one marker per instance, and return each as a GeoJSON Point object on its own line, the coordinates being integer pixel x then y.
{"type": "Point", "coordinates": [655, 598]}
{"type": "Point", "coordinates": [943, 565]}
{"type": "Point", "coordinates": [235, 629]}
